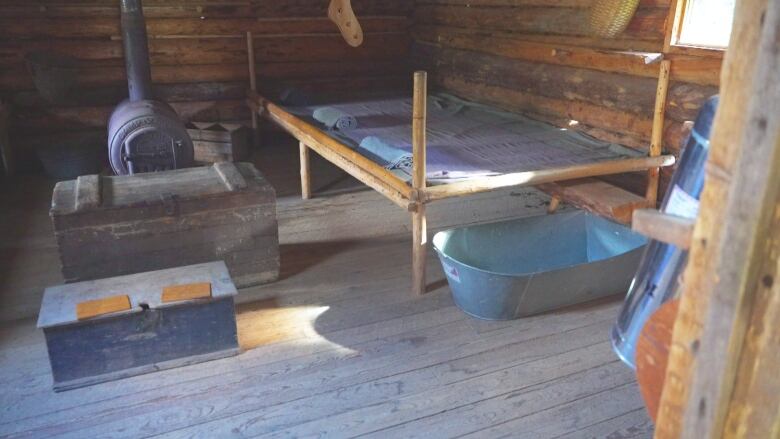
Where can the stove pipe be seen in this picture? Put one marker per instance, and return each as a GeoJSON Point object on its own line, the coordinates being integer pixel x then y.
{"type": "Point", "coordinates": [139, 74]}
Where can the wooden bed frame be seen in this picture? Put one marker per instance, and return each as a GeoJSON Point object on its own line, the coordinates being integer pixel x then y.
{"type": "Point", "coordinates": [414, 198]}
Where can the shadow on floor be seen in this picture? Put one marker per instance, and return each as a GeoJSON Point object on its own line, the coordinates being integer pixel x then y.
{"type": "Point", "coordinates": [297, 258]}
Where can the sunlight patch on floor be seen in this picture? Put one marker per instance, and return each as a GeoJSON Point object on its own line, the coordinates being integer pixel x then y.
{"type": "Point", "coordinates": [263, 323]}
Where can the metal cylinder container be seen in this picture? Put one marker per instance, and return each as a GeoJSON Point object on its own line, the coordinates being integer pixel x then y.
{"type": "Point", "coordinates": [657, 278]}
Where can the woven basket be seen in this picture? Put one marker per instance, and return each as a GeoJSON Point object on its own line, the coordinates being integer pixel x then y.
{"type": "Point", "coordinates": [609, 18]}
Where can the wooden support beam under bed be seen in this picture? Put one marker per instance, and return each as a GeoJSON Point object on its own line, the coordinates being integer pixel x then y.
{"type": "Point", "coordinates": [305, 171]}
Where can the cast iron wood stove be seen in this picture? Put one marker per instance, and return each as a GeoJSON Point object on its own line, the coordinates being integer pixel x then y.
{"type": "Point", "coordinates": [144, 134]}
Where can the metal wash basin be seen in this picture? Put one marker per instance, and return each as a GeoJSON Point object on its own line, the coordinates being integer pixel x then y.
{"type": "Point", "coordinates": [520, 267]}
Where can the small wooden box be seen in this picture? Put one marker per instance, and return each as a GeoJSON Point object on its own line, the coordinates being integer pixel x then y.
{"type": "Point", "coordinates": [110, 226]}
{"type": "Point", "coordinates": [148, 336]}
{"type": "Point", "coordinates": [219, 142]}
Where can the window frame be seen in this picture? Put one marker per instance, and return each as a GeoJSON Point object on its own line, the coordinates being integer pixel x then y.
{"type": "Point", "coordinates": [672, 35]}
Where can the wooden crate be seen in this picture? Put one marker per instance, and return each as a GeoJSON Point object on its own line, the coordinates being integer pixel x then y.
{"type": "Point", "coordinates": [110, 226]}
{"type": "Point", "coordinates": [146, 334]}
{"type": "Point", "coordinates": [219, 142]}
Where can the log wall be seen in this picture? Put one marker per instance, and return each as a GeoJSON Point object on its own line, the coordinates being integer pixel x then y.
{"type": "Point", "coordinates": [198, 55]}
{"type": "Point", "coordinates": [536, 57]}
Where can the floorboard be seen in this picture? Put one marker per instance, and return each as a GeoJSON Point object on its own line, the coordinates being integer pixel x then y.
{"type": "Point", "coordinates": [338, 347]}
{"type": "Point", "coordinates": [569, 417]}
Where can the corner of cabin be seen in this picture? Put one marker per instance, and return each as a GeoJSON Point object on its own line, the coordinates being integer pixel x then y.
{"type": "Point", "coordinates": [542, 62]}
{"type": "Point", "coordinates": [253, 276]}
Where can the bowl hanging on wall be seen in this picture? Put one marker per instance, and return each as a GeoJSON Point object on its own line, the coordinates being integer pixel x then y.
{"type": "Point", "coordinates": [609, 18]}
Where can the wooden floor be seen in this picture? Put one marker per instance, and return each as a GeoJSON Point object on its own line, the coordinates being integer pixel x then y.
{"type": "Point", "coordinates": [338, 347]}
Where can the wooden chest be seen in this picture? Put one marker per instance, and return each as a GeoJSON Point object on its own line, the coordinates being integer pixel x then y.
{"type": "Point", "coordinates": [109, 226]}
{"type": "Point", "coordinates": [148, 331]}
{"type": "Point", "coordinates": [219, 142]}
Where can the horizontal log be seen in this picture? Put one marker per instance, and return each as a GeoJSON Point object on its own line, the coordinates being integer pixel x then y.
{"type": "Point", "coordinates": [612, 90]}
{"type": "Point", "coordinates": [512, 46]}
{"type": "Point", "coordinates": [106, 28]}
{"type": "Point", "coordinates": [513, 100]}
{"type": "Point", "coordinates": [198, 8]}
{"type": "Point", "coordinates": [635, 141]}
{"type": "Point", "coordinates": [648, 23]}
{"type": "Point", "coordinates": [598, 121]}
{"type": "Point", "coordinates": [33, 120]}
{"type": "Point", "coordinates": [684, 100]}
{"type": "Point", "coordinates": [675, 134]}
{"type": "Point", "coordinates": [200, 51]}
{"type": "Point", "coordinates": [545, 3]}
{"type": "Point", "coordinates": [19, 78]}
{"type": "Point", "coordinates": [108, 86]}
{"type": "Point", "coordinates": [639, 143]}
{"type": "Point", "coordinates": [358, 86]}
{"type": "Point", "coordinates": [30, 120]}
{"type": "Point", "coordinates": [111, 95]}
{"type": "Point", "coordinates": [620, 44]}
{"type": "Point", "coordinates": [694, 70]}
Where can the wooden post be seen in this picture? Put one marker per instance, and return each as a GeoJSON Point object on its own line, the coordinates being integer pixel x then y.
{"type": "Point", "coordinates": [721, 379]}
{"type": "Point", "coordinates": [305, 175]}
{"type": "Point", "coordinates": [419, 225]}
{"type": "Point", "coordinates": [250, 52]}
{"type": "Point", "coordinates": [746, 259]}
{"type": "Point", "coordinates": [555, 202]}
{"type": "Point", "coordinates": [657, 134]}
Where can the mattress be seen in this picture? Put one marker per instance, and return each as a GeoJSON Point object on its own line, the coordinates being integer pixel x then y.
{"type": "Point", "coordinates": [464, 139]}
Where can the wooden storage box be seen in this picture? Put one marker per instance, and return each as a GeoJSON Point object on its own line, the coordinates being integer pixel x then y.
{"type": "Point", "coordinates": [110, 226]}
{"type": "Point", "coordinates": [148, 335]}
{"type": "Point", "coordinates": [219, 142]}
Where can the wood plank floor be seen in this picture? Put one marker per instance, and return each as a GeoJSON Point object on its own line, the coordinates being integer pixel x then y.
{"type": "Point", "coordinates": [338, 347]}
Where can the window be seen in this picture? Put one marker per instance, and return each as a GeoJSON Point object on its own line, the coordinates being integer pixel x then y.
{"type": "Point", "coordinates": [702, 23]}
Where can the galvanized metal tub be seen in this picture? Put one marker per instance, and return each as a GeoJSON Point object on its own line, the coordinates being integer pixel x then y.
{"type": "Point", "coordinates": [516, 268]}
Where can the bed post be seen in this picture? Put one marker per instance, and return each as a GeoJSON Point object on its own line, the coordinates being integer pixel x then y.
{"type": "Point", "coordinates": [555, 202]}
{"type": "Point", "coordinates": [657, 135]}
{"type": "Point", "coordinates": [305, 172]}
{"type": "Point", "coordinates": [419, 226]}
